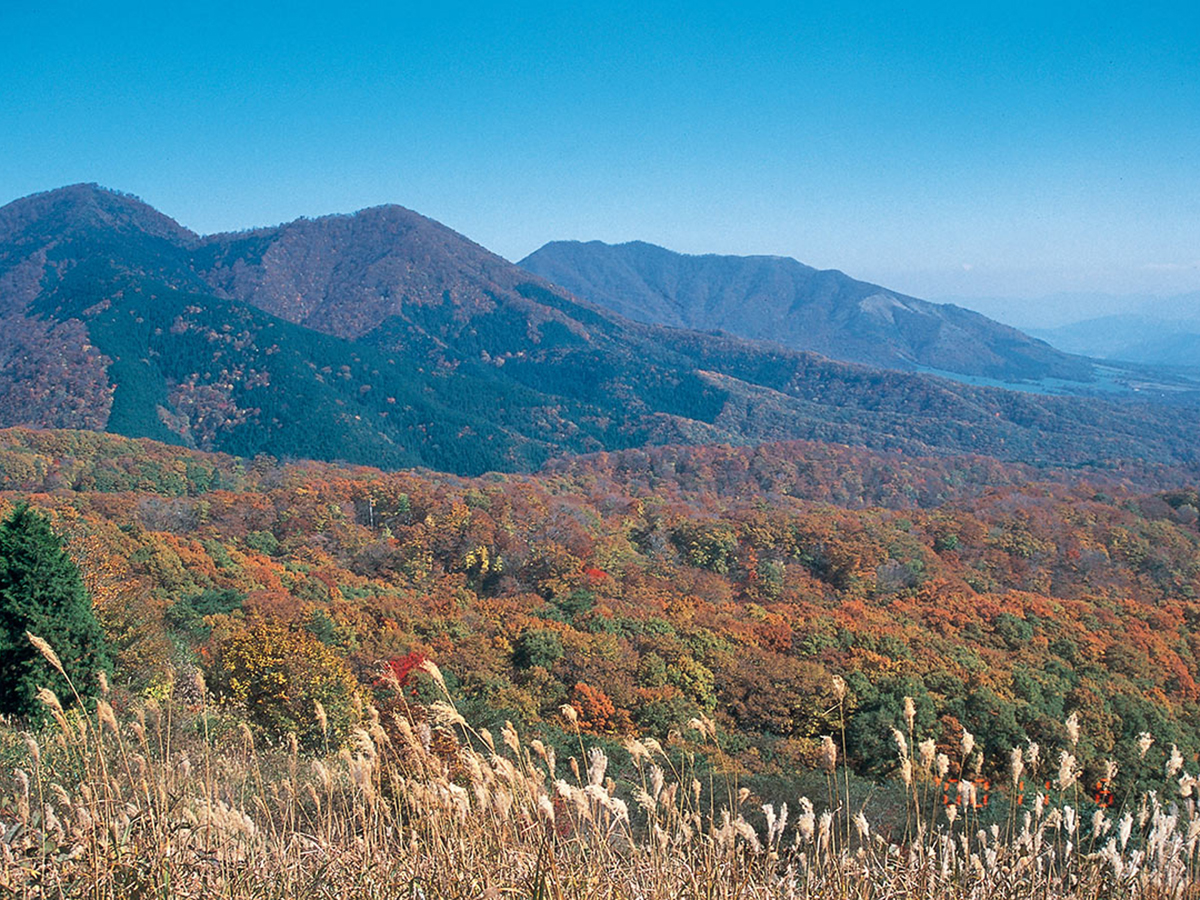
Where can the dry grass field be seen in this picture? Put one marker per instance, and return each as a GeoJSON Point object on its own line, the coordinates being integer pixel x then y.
{"type": "Point", "coordinates": [424, 806]}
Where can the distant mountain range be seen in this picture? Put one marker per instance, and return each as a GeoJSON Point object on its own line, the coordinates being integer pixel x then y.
{"type": "Point", "coordinates": [779, 299]}
{"type": "Point", "coordinates": [1145, 339]}
{"type": "Point", "coordinates": [1038, 314]}
{"type": "Point", "coordinates": [384, 337]}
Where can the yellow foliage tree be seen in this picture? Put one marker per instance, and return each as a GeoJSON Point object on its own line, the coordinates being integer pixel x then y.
{"type": "Point", "coordinates": [275, 677]}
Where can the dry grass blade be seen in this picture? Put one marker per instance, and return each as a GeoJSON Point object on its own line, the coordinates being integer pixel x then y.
{"type": "Point", "coordinates": [44, 648]}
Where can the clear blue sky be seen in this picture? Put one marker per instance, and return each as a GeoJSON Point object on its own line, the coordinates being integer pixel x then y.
{"type": "Point", "coordinates": [943, 150]}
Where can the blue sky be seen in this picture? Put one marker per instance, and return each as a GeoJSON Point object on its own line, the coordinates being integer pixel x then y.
{"type": "Point", "coordinates": [939, 149]}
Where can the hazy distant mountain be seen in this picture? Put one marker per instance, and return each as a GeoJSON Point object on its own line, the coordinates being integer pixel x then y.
{"type": "Point", "coordinates": [779, 299]}
{"type": "Point", "coordinates": [1035, 315]}
{"type": "Point", "coordinates": [383, 337]}
{"type": "Point", "coordinates": [1131, 338]}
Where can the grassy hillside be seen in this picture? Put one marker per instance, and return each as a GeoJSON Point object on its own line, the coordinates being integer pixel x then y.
{"type": "Point", "coordinates": [158, 802]}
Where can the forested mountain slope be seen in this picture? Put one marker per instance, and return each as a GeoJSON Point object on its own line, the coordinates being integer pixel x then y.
{"type": "Point", "coordinates": [388, 339]}
{"type": "Point", "coordinates": [779, 299]}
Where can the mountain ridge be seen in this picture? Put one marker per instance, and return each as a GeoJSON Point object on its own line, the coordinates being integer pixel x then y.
{"type": "Point", "coordinates": [91, 201]}
{"type": "Point", "coordinates": [784, 300]}
{"type": "Point", "coordinates": [383, 337]}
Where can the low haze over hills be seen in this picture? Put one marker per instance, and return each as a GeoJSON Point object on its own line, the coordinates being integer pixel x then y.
{"type": "Point", "coordinates": [383, 337]}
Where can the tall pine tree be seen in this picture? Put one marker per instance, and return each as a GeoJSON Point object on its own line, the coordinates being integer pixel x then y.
{"type": "Point", "coordinates": [41, 591]}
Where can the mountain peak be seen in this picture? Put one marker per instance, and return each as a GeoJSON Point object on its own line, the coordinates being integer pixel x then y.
{"type": "Point", "coordinates": [90, 205]}
{"type": "Point", "coordinates": [656, 250]}
{"type": "Point", "coordinates": [782, 300]}
{"type": "Point", "coordinates": [348, 274]}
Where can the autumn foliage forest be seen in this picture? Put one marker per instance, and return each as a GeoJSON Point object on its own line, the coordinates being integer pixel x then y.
{"type": "Point", "coordinates": [646, 588]}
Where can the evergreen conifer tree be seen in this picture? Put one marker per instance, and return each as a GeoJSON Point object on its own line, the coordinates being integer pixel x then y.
{"type": "Point", "coordinates": [42, 592]}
